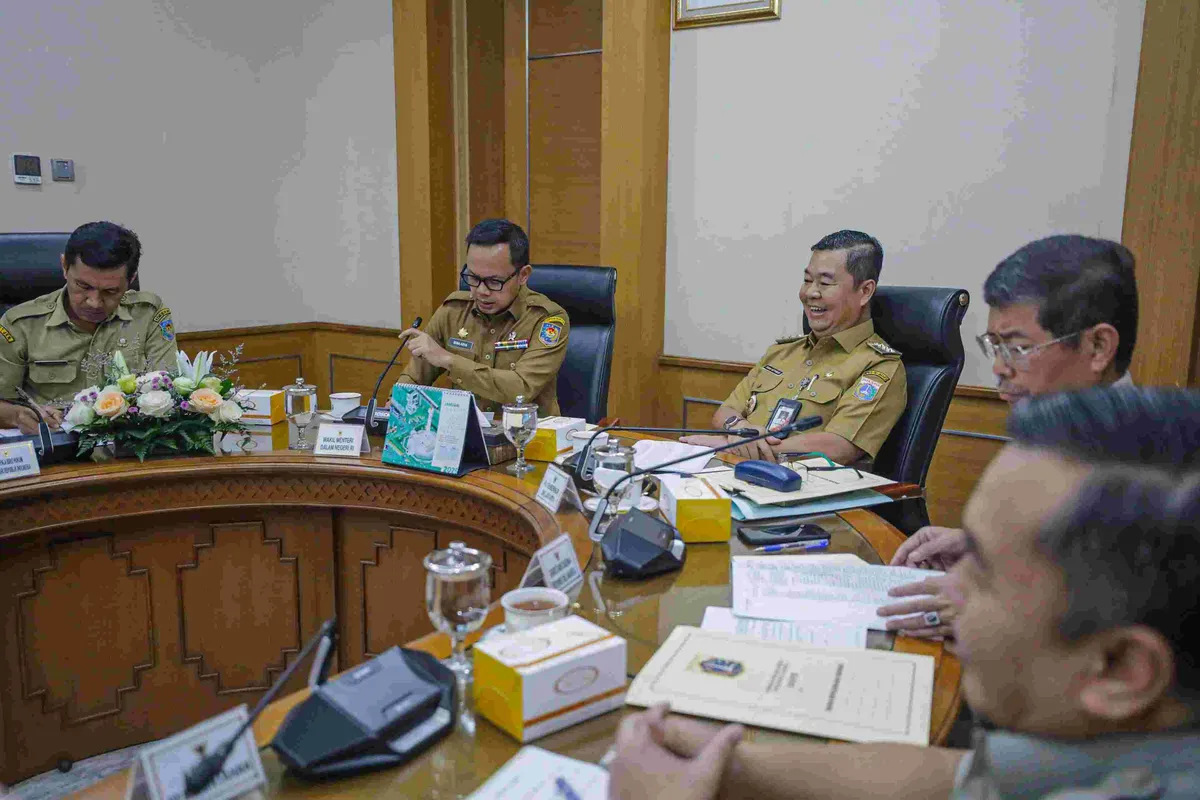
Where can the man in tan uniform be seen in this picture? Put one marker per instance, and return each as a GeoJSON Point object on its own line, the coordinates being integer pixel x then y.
{"type": "Point", "coordinates": [841, 371]}
{"type": "Point", "coordinates": [55, 345]}
{"type": "Point", "coordinates": [498, 340]}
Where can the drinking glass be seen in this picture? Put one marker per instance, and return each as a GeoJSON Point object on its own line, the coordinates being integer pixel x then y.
{"type": "Point", "coordinates": [458, 584]}
{"type": "Point", "coordinates": [614, 462]}
{"type": "Point", "coordinates": [299, 402]}
{"type": "Point", "coordinates": [519, 421]}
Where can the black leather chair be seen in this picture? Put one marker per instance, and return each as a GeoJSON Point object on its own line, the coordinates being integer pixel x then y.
{"type": "Point", "coordinates": [30, 266]}
{"type": "Point", "coordinates": [924, 325]}
{"type": "Point", "coordinates": [589, 296]}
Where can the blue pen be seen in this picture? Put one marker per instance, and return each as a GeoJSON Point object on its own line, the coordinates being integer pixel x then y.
{"type": "Point", "coordinates": [565, 788]}
{"type": "Point", "coordinates": [813, 544]}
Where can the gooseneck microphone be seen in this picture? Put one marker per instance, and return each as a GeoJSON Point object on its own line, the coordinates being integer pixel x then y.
{"type": "Point", "coordinates": [802, 424]}
{"type": "Point", "coordinates": [369, 420]}
{"type": "Point", "coordinates": [197, 779]}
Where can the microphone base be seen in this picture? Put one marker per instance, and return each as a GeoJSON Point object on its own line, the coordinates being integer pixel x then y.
{"type": "Point", "coordinates": [637, 545]}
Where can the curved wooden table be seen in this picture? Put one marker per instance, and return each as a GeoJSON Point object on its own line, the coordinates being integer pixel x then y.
{"type": "Point", "coordinates": [143, 598]}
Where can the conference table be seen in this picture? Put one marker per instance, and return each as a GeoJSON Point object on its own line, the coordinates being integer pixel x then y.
{"type": "Point", "coordinates": [141, 598]}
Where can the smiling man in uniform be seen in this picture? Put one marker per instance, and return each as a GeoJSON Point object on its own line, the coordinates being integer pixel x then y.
{"type": "Point", "coordinates": [841, 371]}
{"type": "Point", "coordinates": [55, 345]}
{"type": "Point", "coordinates": [500, 339]}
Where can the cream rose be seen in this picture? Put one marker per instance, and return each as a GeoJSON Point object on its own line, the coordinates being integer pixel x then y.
{"type": "Point", "coordinates": [204, 401]}
{"type": "Point", "coordinates": [110, 403]}
{"type": "Point", "coordinates": [156, 403]}
{"type": "Point", "coordinates": [81, 414]}
{"type": "Point", "coordinates": [228, 412]}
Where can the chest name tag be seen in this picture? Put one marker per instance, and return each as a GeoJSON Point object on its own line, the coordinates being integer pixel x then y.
{"type": "Point", "coordinates": [462, 344]}
{"type": "Point", "coordinates": [513, 344]}
{"type": "Point", "coordinates": [773, 370]}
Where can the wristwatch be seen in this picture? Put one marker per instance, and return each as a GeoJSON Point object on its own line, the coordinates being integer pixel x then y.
{"type": "Point", "coordinates": [729, 423]}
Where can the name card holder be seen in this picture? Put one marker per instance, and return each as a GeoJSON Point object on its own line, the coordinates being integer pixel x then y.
{"type": "Point", "coordinates": [334, 439]}
{"type": "Point", "coordinates": [18, 460]}
{"type": "Point", "coordinates": [555, 487]}
{"type": "Point", "coordinates": [555, 566]}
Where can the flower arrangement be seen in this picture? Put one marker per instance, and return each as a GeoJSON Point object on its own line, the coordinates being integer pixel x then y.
{"type": "Point", "coordinates": [176, 411]}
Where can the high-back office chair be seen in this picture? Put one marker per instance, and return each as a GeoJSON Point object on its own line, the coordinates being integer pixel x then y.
{"type": "Point", "coordinates": [30, 266]}
{"type": "Point", "coordinates": [589, 296]}
{"type": "Point", "coordinates": [924, 325]}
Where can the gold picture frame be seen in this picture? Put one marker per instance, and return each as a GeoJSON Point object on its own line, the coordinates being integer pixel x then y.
{"type": "Point", "coordinates": [702, 13]}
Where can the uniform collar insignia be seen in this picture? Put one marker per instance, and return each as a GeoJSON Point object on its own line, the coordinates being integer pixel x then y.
{"type": "Point", "coordinates": [463, 333]}
{"type": "Point", "coordinates": [883, 348]}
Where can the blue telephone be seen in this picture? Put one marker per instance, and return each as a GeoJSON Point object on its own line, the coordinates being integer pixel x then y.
{"type": "Point", "coordinates": [768, 475]}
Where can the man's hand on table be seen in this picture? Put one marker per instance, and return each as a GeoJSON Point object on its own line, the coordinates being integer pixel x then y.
{"type": "Point", "coordinates": [760, 450]}
{"type": "Point", "coordinates": [423, 346]}
{"type": "Point", "coordinates": [929, 614]}
{"type": "Point", "coordinates": [25, 420]}
{"type": "Point", "coordinates": [645, 767]}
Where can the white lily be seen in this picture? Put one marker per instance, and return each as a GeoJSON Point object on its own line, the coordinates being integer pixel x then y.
{"type": "Point", "coordinates": [118, 366]}
{"type": "Point", "coordinates": [195, 369]}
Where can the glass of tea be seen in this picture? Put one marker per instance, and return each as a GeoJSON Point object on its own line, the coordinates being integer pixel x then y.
{"type": "Point", "coordinates": [527, 608]}
{"type": "Point", "coordinates": [458, 583]}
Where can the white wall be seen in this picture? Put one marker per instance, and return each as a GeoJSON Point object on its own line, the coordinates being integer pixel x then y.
{"type": "Point", "coordinates": [251, 145]}
{"type": "Point", "coordinates": [953, 131]}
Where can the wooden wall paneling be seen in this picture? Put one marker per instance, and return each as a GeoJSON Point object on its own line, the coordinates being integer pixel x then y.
{"type": "Point", "coordinates": [958, 462]}
{"type": "Point", "coordinates": [486, 100]}
{"type": "Point", "coordinates": [633, 211]}
{"type": "Point", "coordinates": [114, 629]}
{"type": "Point", "coordinates": [565, 26]}
{"type": "Point", "coordinates": [1162, 196]}
{"type": "Point", "coordinates": [564, 122]}
{"type": "Point", "coordinates": [516, 154]}
{"type": "Point", "coordinates": [689, 377]}
{"type": "Point", "coordinates": [272, 355]}
{"type": "Point", "coordinates": [353, 356]}
{"type": "Point", "coordinates": [443, 181]}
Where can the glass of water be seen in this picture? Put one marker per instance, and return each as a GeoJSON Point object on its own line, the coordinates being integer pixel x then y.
{"type": "Point", "coordinates": [613, 463]}
{"type": "Point", "coordinates": [520, 421]}
{"type": "Point", "coordinates": [458, 588]}
{"type": "Point", "coordinates": [299, 402]}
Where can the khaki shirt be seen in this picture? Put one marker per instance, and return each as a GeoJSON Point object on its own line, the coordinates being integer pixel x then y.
{"type": "Point", "coordinates": [853, 380]}
{"type": "Point", "coordinates": [43, 351]}
{"type": "Point", "coordinates": [515, 352]}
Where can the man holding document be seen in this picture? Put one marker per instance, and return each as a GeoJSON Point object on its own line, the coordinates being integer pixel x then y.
{"type": "Point", "coordinates": [1076, 626]}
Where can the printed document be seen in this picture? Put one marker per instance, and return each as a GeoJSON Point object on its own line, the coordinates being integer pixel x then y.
{"type": "Point", "coordinates": [816, 484]}
{"type": "Point", "coordinates": [723, 620]}
{"type": "Point", "coordinates": [532, 774]}
{"type": "Point", "coordinates": [850, 694]}
{"type": "Point", "coordinates": [649, 453]}
{"type": "Point", "coordinates": [799, 588]}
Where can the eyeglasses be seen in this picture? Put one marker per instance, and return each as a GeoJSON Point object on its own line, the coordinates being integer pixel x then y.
{"type": "Point", "coordinates": [493, 284]}
{"type": "Point", "coordinates": [1015, 355]}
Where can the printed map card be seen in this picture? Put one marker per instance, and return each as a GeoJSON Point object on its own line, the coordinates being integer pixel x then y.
{"type": "Point", "coordinates": [436, 430]}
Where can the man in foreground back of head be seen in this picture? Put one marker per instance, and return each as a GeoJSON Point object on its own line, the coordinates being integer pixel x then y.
{"type": "Point", "coordinates": [1062, 315]}
{"type": "Point", "coordinates": [1077, 629]}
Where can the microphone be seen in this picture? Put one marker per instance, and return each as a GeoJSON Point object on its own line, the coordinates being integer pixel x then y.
{"type": "Point", "coordinates": [587, 448]}
{"type": "Point", "coordinates": [197, 779]}
{"type": "Point", "coordinates": [370, 416]}
{"type": "Point", "coordinates": [802, 424]}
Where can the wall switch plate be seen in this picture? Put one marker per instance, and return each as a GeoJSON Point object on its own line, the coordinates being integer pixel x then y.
{"type": "Point", "coordinates": [62, 169]}
{"type": "Point", "coordinates": [27, 169]}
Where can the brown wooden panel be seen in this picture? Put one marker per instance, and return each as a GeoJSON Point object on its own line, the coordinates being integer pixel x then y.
{"type": "Point", "coordinates": [676, 382]}
{"type": "Point", "coordinates": [633, 208]}
{"type": "Point", "coordinates": [442, 182]}
{"type": "Point", "coordinates": [516, 207]}
{"type": "Point", "coordinates": [564, 121]}
{"type": "Point", "coordinates": [1162, 197]}
{"type": "Point", "coordinates": [957, 464]}
{"type": "Point", "coordinates": [485, 118]}
{"type": "Point", "coordinates": [565, 26]}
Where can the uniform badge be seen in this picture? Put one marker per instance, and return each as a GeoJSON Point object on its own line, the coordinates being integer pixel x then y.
{"type": "Point", "coordinates": [163, 313]}
{"type": "Point", "coordinates": [462, 344]}
{"type": "Point", "coordinates": [807, 382]}
{"type": "Point", "coordinates": [512, 335]}
{"type": "Point", "coordinates": [867, 389]}
{"type": "Point", "coordinates": [463, 333]}
{"type": "Point", "coordinates": [876, 374]}
{"type": "Point", "coordinates": [512, 344]}
{"type": "Point", "coordinates": [722, 666]}
{"type": "Point", "coordinates": [883, 348]}
{"type": "Point", "coordinates": [750, 406]}
{"type": "Point", "coordinates": [772, 370]}
{"type": "Point", "coordinates": [167, 328]}
{"type": "Point", "coordinates": [4, 334]}
{"type": "Point", "coordinates": [550, 333]}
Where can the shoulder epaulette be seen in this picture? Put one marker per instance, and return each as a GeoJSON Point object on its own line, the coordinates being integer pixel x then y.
{"type": "Point", "coordinates": [37, 307]}
{"type": "Point", "coordinates": [541, 301]}
{"type": "Point", "coordinates": [133, 297]}
{"type": "Point", "coordinates": [883, 348]}
{"type": "Point", "coordinates": [460, 295]}
{"type": "Point", "coordinates": [788, 339]}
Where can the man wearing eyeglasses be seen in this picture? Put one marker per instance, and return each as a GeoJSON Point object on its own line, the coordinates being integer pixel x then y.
{"type": "Point", "coordinates": [1062, 315]}
{"type": "Point", "coordinates": [499, 339]}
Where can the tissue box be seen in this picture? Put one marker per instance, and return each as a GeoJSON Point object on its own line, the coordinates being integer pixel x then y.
{"type": "Point", "coordinates": [263, 406]}
{"type": "Point", "coordinates": [550, 677]}
{"type": "Point", "coordinates": [263, 439]}
{"type": "Point", "coordinates": [551, 437]}
{"type": "Point", "coordinates": [700, 510]}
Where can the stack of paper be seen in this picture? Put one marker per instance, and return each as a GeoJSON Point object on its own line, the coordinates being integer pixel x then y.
{"type": "Point", "coordinates": [649, 453]}
{"type": "Point", "coordinates": [804, 589]}
{"type": "Point", "coordinates": [534, 774]}
{"type": "Point", "coordinates": [856, 695]}
{"type": "Point", "coordinates": [723, 620]}
{"type": "Point", "coordinates": [823, 491]}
